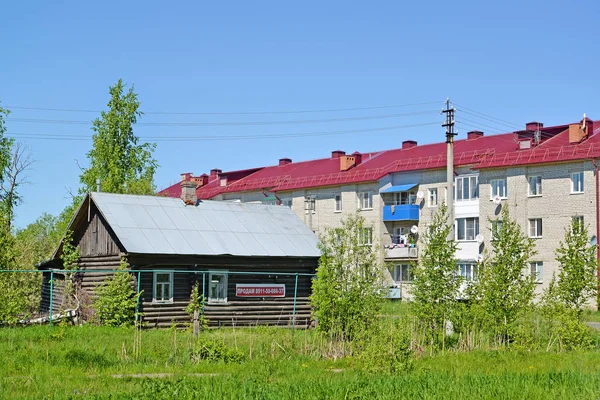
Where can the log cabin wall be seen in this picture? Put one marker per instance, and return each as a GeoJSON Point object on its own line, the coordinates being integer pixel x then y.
{"type": "Point", "coordinates": [238, 311]}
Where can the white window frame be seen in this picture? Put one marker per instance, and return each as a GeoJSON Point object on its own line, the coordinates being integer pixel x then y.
{"type": "Point", "coordinates": [498, 187]}
{"type": "Point", "coordinates": [495, 228]}
{"type": "Point", "coordinates": [580, 220]}
{"type": "Point", "coordinates": [366, 236]}
{"type": "Point", "coordinates": [403, 270]}
{"type": "Point", "coordinates": [474, 228]}
{"type": "Point", "coordinates": [577, 184]}
{"type": "Point", "coordinates": [217, 300]}
{"type": "Point", "coordinates": [338, 206]}
{"type": "Point", "coordinates": [472, 190]}
{"type": "Point", "coordinates": [534, 184]}
{"type": "Point", "coordinates": [365, 200]}
{"type": "Point", "coordinates": [535, 228]}
{"type": "Point", "coordinates": [432, 196]}
{"type": "Point", "coordinates": [536, 269]}
{"type": "Point", "coordinates": [468, 271]}
{"type": "Point", "coordinates": [314, 205]}
{"type": "Point", "coordinates": [155, 285]}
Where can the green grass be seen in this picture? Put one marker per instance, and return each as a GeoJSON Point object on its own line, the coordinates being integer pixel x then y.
{"type": "Point", "coordinates": [70, 362]}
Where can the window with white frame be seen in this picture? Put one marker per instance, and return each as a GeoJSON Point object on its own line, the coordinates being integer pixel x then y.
{"type": "Point", "coordinates": [496, 227]}
{"type": "Point", "coordinates": [310, 205]}
{"type": "Point", "coordinates": [536, 270]}
{"type": "Point", "coordinates": [577, 182]}
{"type": "Point", "coordinates": [403, 273]}
{"type": "Point", "coordinates": [217, 289]}
{"type": "Point", "coordinates": [338, 203]}
{"type": "Point", "coordinates": [365, 200]}
{"type": "Point", "coordinates": [163, 287]}
{"type": "Point", "coordinates": [577, 223]}
{"type": "Point", "coordinates": [535, 185]}
{"type": "Point", "coordinates": [366, 237]}
{"type": "Point", "coordinates": [468, 271]}
{"type": "Point", "coordinates": [466, 188]}
{"type": "Point", "coordinates": [535, 228]}
{"type": "Point", "coordinates": [404, 198]}
{"type": "Point", "coordinates": [467, 228]}
{"type": "Point", "coordinates": [498, 188]}
{"type": "Point", "coordinates": [433, 197]}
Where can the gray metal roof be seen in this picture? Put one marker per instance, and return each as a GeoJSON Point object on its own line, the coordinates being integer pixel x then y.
{"type": "Point", "coordinates": [162, 225]}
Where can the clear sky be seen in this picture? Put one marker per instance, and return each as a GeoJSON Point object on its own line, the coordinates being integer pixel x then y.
{"type": "Point", "coordinates": [516, 61]}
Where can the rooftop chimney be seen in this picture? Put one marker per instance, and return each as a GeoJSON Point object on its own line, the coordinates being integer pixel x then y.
{"type": "Point", "coordinates": [188, 193]}
{"type": "Point", "coordinates": [533, 126]}
{"type": "Point", "coordinates": [347, 162]}
{"type": "Point", "coordinates": [186, 176]}
{"type": "Point", "coordinates": [285, 161]}
{"type": "Point", "coordinates": [200, 180]}
{"type": "Point", "coordinates": [577, 133]}
{"type": "Point", "coordinates": [474, 135]}
{"type": "Point", "coordinates": [409, 144]}
{"type": "Point", "coordinates": [337, 153]}
{"type": "Point", "coordinates": [357, 158]}
{"type": "Point", "coordinates": [214, 174]}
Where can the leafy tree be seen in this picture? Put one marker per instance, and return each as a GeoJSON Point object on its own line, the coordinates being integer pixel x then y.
{"type": "Point", "coordinates": [346, 296]}
{"type": "Point", "coordinates": [117, 300]}
{"type": "Point", "coordinates": [436, 283]}
{"type": "Point", "coordinates": [6, 146]}
{"type": "Point", "coordinates": [505, 289]}
{"type": "Point", "coordinates": [116, 158]}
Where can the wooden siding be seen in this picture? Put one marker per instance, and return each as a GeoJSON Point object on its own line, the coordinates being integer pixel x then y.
{"type": "Point", "coordinates": [95, 238]}
{"type": "Point", "coordinates": [57, 296]}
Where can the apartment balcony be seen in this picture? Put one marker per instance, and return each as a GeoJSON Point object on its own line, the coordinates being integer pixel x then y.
{"type": "Point", "coordinates": [400, 248]}
{"type": "Point", "coordinates": [401, 212]}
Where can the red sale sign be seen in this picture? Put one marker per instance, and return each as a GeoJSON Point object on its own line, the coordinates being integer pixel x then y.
{"type": "Point", "coordinates": [259, 290]}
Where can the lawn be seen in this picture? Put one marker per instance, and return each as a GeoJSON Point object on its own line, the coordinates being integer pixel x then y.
{"type": "Point", "coordinates": [98, 362]}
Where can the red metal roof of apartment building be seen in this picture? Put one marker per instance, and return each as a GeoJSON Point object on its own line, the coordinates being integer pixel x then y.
{"type": "Point", "coordinates": [550, 144]}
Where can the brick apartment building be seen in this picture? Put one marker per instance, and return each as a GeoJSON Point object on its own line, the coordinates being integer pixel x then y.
{"type": "Point", "coordinates": [545, 176]}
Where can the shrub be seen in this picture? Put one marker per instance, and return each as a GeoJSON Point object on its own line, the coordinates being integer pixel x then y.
{"type": "Point", "coordinates": [216, 351]}
{"type": "Point", "coordinates": [117, 300]}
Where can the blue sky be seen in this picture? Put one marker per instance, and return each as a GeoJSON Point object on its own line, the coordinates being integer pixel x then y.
{"type": "Point", "coordinates": [517, 61]}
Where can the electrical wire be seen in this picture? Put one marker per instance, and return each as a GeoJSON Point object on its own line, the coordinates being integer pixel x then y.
{"type": "Point", "coordinates": [488, 116]}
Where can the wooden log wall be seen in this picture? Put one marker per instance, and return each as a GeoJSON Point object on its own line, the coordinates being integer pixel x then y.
{"type": "Point", "coordinates": [96, 238]}
{"type": "Point", "coordinates": [58, 292]}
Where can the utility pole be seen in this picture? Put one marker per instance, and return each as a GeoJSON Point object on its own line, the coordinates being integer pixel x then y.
{"type": "Point", "coordinates": [449, 125]}
{"type": "Point", "coordinates": [309, 206]}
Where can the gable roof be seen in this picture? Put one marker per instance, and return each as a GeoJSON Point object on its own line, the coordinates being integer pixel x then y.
{"type": "Point", "coordinates": [163, 225]}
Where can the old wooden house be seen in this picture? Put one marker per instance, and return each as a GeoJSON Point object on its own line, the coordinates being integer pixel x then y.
{"type": "Point", "coordinates": [250, 260]}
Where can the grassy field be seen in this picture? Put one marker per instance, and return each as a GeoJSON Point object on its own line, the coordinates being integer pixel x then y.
{"type": "Point", "coordinates": [97, 362]}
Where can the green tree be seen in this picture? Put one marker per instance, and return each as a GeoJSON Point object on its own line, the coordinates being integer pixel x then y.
{"type": "Point", "coordinates": [6, 148]}
{"type": "Point", "coordinates": [122, 164]}
{"type": "Point", "coordinates": [346, 298]}
{"type": "Point", "coordinates": [436, 284]}
{"type": "Point", "coordinates": [505, 288]}
{"type": "Point", "coordinates": [116, 300]}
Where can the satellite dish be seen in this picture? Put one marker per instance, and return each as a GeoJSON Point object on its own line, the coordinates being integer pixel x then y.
{"type": "Point", "coordinates": [479, 258]}
{"type": "Point", "coordinates": [497, 199]}
{"type": "Point", "coordinates": [414, 229]}
{"type": "Point", "coordinates": [594, 240]}
{"type": "Point", "coordinates": [420, 194]}
{"type": "Point", "coordinates": [479, 238]}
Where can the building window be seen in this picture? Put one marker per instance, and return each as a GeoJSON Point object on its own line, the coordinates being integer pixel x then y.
{"type": "Point", "coordinates": [163, 287]}
{"type": "Point", "coordinates": [467, 228]}
{"type": "Point", "coordinates": [217, 291]}
{"type": "Point", "coordinates": [403, 273]}
{"type": "Point", "coordinates": [577, 223]}
{"type": "Point", "coordinates": [366, 237]}
{"type": "Point", "coordinates": [365, 200]}
{"type": "Point", "coordinates": [310, 205]}
{"type": "Point", "coordinates": [498, 188]}
{"type": "Point", "coordinates": [405, 198]}
{"type": "Point", "coordinates": [537, 271]}
{"type": "Point", "coordinates": [433, 197]}
{"type": "Point", "coordinates": [577, 182]}
{"type": "Point", "coordinates": [287, 202]}
{"type": "Point", "coordinates": [466, 188]}
{"type": "Point", "coordinates": [338, 203]}
{"type": "Point", "coordinates": [535, 228]}
{"type": "Point", "coordinates": [535, 185]}
{"type": "Point", "coordinates": [468, 271]}
{"type": "Point", "coordinates": [496, 227]}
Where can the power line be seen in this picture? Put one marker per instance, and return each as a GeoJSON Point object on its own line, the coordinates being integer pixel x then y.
{"type": "Point", "coordinates": [230, 113]}
{"type": "Point", "coordinates": [69, 137]}
{"type": "Point", "coordinates": [494, 128]}
{"type": "Point", "coordinates": [510, 126]}
{"type": "Point", "coordinates": [243, 123]}
{"type": "Point", "coordinates": [489, 116]}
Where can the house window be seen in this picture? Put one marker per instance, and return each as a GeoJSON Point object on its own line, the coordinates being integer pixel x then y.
{"type": "Point", "coordinates": [403, 273]}
{"type": "Point", "coordinates": [535, 185]}
{"type": "Point", "coordinates": [537, 271]}
{"type": "Point", "coordinates": [287, 202]}
{"type": "Point", "coordinates": [577, 223]}
{"type": "Point", "coordinates": [466, 188]}
{"type": "Point", "coordinates": [467, 228]}
{"type": "Point", "coordinates": [496, 227]}
{"type": "Point", "coordinates": [535, 228]}
{"type": "Point", "coordinates": [577, 182]}
{"type": "Point", "coordinates": [400, 235]}
{"type": "Point", "coordinates": [366, 237]}
{"type": "Point", "coordinates": [365, 200]}
{"type": "Point", "coordinates": [467, 271]}
{"type": "Point", "coordinates": [498, 188]}
{"type": "Point", "coordinates": [163, 287]}
{"type": "Point", "coordinates": [404, 198]}
{"type": "Point", "coordinates": [217, 291]}
{"type": "Point", "coordinates": [433, 197]}
{"type": "Point", "coordinates": [338, 203]}
{"type": "Point", "coordinates": [310, 204]}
